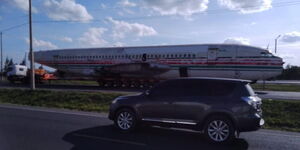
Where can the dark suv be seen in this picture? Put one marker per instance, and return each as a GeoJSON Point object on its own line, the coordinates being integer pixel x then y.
{"type": "Point", "coordinates": [220, 108]}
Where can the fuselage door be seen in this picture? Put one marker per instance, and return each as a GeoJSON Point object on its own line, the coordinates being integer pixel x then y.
{"type": "Point", "coordinates": [144, 57]}
{"type": "Point", "coordinates": [212, 54]}
{"type": "Point", "coordinates": [55, 61]}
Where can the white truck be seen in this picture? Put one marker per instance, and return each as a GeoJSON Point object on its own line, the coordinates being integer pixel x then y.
{"type": "Point", "coordinates": [21, 73]}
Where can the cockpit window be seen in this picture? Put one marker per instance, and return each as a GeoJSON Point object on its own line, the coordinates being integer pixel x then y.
{"type": "Point", "coordinates": [266, 54]}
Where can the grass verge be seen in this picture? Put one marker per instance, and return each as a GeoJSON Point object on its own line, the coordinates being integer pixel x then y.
{"type": "Point", "coordinates": [279, 114]}
{"type": "Point", "coordinates": [277, 87]}
{"type": "Point", "coordinates": [84, 101]}
{"type": "Point", "coordinates": [282, 115]}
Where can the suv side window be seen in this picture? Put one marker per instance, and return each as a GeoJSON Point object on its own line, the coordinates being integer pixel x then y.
{"type": "Point", "coordinates": [222, 88]}
{"type": "Point", "coordinates": [197, 88]}
{"type": "Point", "coordinates": [165, 89]}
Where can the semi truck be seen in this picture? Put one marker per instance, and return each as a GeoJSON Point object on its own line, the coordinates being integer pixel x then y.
{"type": "Point", "coordinates": [21, 73]}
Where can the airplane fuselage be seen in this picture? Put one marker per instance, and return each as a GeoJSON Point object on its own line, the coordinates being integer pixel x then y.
{"type": "Point", "coordinates": [166, 62]}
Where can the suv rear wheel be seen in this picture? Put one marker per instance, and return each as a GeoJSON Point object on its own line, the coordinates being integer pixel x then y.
{"type": "Point", "coordinates": [219, 129]}
{"type": "Point", "coordinates": [125, 120]}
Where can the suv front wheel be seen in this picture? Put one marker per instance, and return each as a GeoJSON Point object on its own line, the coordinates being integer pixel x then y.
{"type": "Point", "coordinates": [219, 129]}
{"type": "Point", "coordinates": [125, 120]}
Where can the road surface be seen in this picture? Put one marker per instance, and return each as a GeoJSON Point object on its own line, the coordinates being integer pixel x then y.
{"type": "Point", "coordinates": [83, 88]}
{"type": "Point", "coordinates": [297, 82]}
{"type": "Point", "coordinates": [279, 95]}
{"type": "Point", "coordinates": [34, 128]}
{"type": "Point", "coordinates": [262, 94]}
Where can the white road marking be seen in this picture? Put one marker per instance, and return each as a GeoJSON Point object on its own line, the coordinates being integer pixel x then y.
{"type": "Point", "coordinates": [40, 109]}
{"type": "Point", "coordinates": [110, 140]}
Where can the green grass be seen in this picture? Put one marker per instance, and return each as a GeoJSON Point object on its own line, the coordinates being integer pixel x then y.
{"type": "Point", "coordinates": [277, 87]}
{"type": "Point", "coordinates": [282, 115]}
{"type": "Point", "coordinates": [279, 114]}
{"type": "Point", "coordinates": [85, 101]}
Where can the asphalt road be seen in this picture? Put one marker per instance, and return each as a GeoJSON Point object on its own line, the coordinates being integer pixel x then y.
{"type": "Point", "coordinates": [32, 128]}
{"type": "Point", "coordinates": [262, 94]}
{"type": "Point", "coordinates": [297, 82]}
{"type": "Point", "coordinates": [279, 95]}
{"type": "Point", "coordinates": [89, 88]}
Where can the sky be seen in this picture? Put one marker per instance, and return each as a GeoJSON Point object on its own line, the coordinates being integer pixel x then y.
{"type": "Point", "coordinates": [59, 24]}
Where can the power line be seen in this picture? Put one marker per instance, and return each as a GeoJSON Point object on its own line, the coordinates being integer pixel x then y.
{"type": "Point", "coordinates": [13, 27]}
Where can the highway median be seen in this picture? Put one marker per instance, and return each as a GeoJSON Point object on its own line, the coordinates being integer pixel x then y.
{"type": "Point", "coordinates": [278, 114]}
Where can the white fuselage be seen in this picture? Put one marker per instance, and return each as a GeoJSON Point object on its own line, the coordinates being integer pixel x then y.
{"type": "Point", "coordinates": [205, 60]}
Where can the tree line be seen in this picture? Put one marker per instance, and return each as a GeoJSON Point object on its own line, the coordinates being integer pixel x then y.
{"type": "Point", "coordinates": [290, 73]}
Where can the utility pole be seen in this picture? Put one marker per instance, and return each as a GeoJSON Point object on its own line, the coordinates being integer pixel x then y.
{"type": "Point", "coordinates": [32, 75]}
{"type": "Point", "coordinates": [276, 43]}
{"type": "Point", "coordinates": [1, 57]}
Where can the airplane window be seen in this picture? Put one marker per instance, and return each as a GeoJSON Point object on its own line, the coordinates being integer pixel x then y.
{"type": "Point", "coordinates": [194, 55]}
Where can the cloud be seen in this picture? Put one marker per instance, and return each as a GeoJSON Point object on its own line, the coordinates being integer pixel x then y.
{"type": "Point", "coordinates": [23, 5]}
{"type": "Point", "coordinates": [93, 37]}
{"type": "Point", "coordinates": [247, 6]}
{"type": "Point", "coordinates": [126, 3]}
{"type": "Point", "coordinates": [291, 37]}
{"type": "Point", "coordinates": [103, 6]}
{"type": "Point", "coordinates": [66, 39]}
{"type": "Point", "coordinates": [118, 44]}
{"type": "Point", "coordinates": [41, 44]}
{"type": "Point", "coordinates": [67, 10]}
{"type": "Point", "coordinates": [122, 28]}
{"type": "Point", "coordinates": [177, 7]}
{"type": "Point", "coordinates": [237, 40]}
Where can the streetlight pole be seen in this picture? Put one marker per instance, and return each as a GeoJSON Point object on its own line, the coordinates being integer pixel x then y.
{"type": "Point", "coordinates": [32, 75]}
{"type": "Point", "coordinates": [1, 57]}
{"type": "Point", "coordinates": [276, 43]}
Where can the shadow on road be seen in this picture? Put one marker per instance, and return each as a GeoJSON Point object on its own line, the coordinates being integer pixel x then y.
{"type": "Point", "coordinates": [109, 138]}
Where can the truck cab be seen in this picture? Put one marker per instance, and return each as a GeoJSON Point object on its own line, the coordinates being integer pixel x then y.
{"type": "Point", "coordinates": [16, 73]}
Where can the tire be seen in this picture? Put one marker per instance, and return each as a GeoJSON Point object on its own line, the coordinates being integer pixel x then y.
{"type": "Point", "coordinates": [125, 120]}
{"type": "Point", "coordinates": [219, 129]}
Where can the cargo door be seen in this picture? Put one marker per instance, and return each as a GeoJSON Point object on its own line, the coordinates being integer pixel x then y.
{"type": "Point", "coordinates": [55, 60]}
{"type": "Point", "coordinates": [212, 55]}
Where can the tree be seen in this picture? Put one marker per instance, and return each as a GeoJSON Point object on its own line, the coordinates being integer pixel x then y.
{"type": "Point", "coordinates": [11, 62]}
{"type": "Point", "coordinates": [7, 63]}
{"type": "Point", "coordinates": [23, 62]}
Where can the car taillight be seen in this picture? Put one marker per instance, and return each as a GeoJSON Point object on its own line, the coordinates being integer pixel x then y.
{"type": "Point", "coordinates": [254, 101]}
